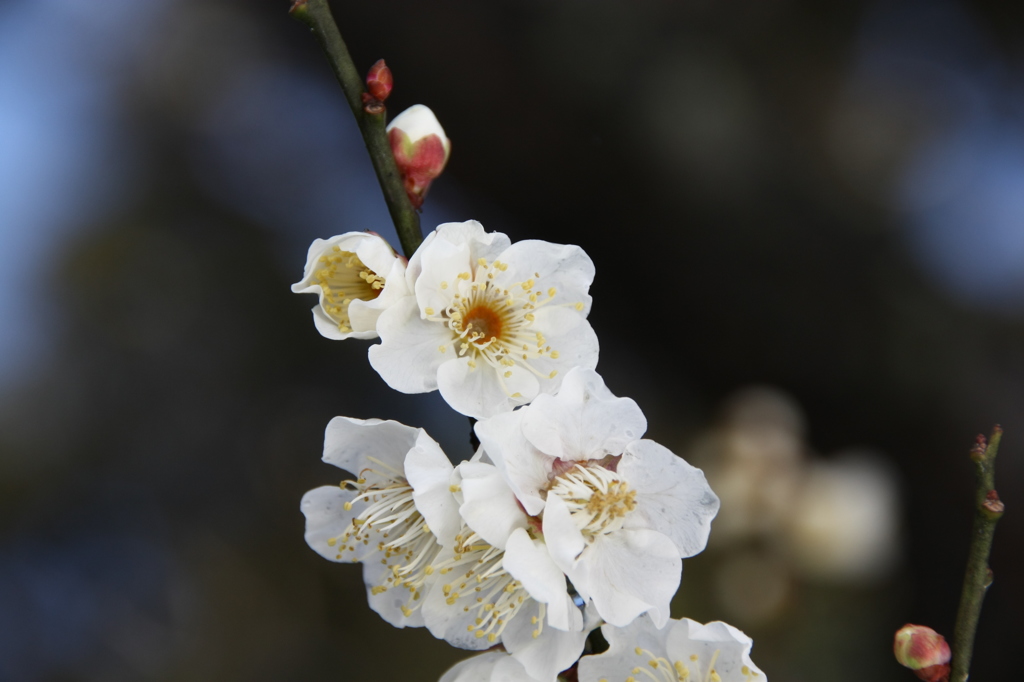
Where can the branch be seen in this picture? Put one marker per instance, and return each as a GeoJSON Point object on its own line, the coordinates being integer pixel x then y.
{"type": "Point", "coordinates": [317, 15]}
{"type": "Point", "coordinates": [978, 576]}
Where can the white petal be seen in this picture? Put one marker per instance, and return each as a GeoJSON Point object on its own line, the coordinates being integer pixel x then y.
{"type": "Point", "coordinates": [349, 442]}
{"type": "Point", "coordinates": [508, 669]}
{"type": "Point", "coordinates": [729, 647]}
{"type": "Point", "coordinates": [428, 471]}
{"type": "Point", "coordinates": [493, 666]}
{"type": "Point", "coordinates": [441, 263]}
{"type": "Point", "coordinates": [564, 540]}
{"type": "Point", "coordinates": [565, 267]}
{"type": "Point", "coordinates": [584, 421]}
{"type": "Point", "coordinates": [451, 622]}
{"type": "Point", "coordinates": [478, 393]}
{"type": "Point", "coordinates": [673, 497]}
{"type": "Point", "coordinates": [375, 253]}
{"type": "Point", "coordinates": [621, 658]}
{"type": "Point", "coordinates": [364, 314]}
{"type": "Point", "coordinates": [483, 244]}
{"type": "Point", "coordinates": [627, 573]}
{"type": "Point", "coordinates": [414, 267]}
{"type": "Point", "coordinates": [409, 353]}
{"type": "Point", "coordinates": [577, 347]}
{"type": "Point", "coordinates": [327, 519]}
{"type": "Point", "coordinates": [556, 322]}
{"type": "Point", "coordinates": [490, 507]}
{"type": "Point", "coordinates": [546, 655]}
{"type": "Point", "coordinates": [525, 467]}
{"type": "Point", "coordinates": [328, 328]}
{"type": "Point", "coordinates": [388, 604]}
{"type": "Point", "coordinates": [528, 561]}
{"type": "Point", "coordinates": [475, 669]}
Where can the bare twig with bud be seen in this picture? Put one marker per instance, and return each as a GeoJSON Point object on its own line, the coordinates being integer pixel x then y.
{"type": "Point", "coordinates": [977, 578]}
{"type": "Point", "coordinates": [368, 109]}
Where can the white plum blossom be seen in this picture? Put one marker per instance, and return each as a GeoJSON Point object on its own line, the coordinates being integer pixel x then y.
{"type": "Point", "coordinates": [394, 517]}
{"type": "Point", "coordinates": [682, 651]}
{"type": "Point", "coordinates": [490, 324]}
{"type": "Point", "coordinates": [357, 276]}
{"type": "Point", "coordinates": [497, 584]}
{"type": "Point", "coordinates": [618, 513]}
{"type": "Point", "coordinates": [493, 666]}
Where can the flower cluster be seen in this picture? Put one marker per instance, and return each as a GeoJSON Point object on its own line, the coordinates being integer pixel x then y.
{"type": "Point", "coordinates": [565, 519]}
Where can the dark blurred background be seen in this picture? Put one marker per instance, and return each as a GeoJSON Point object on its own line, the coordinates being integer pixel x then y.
{"type": "Point", "coordinates": [824, 201]}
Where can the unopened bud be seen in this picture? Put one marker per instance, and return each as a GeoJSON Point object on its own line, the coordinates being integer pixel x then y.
{"type": "Point", "coordinates": [924, 651]}
{"type": "Point", "coordinates": [379, 81]}
{"type": "Point", "coordinates": [421, 149]}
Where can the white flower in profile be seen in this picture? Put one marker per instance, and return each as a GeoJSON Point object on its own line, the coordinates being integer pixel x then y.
{"type": "Point", "coordinates": [394, 517]}
{"type": "Point", "coordinates": [492, 324]}
{"type": "Point", "coordinates": [497, 584]}
{"type": "Point", "coordinates": [493, 666]}
{"type": "Point", "coordinates": [619, 513]}
{"type": "Point", "coordinates": [357, 276]}
{"type": "Point", "coordinates": [683, 651]}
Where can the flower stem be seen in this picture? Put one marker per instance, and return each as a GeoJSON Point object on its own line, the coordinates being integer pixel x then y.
{"type": "Point", "coordinates": [317, 15]}
{"type": "Point", "coordinates": [977, 578]}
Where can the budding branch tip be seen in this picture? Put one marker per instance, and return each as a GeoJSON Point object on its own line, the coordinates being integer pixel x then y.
{"type": "Point", "coordinates": [992, 504]}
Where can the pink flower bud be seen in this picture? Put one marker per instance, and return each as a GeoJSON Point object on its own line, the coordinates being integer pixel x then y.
{"type": "Point", "coordinates": [924, 651]}
{"type": "Point", "coordinates": [379, 81]}
{"type": "Point", "coordinates": [421, 149]}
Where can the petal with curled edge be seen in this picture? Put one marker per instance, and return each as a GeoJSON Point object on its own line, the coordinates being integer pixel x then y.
{"type": "Point", "coordinates": [349, 444]}
{"type": "Point", "coordinates": [673, 497]}
{"type": "Point", "coordinates": [584, 420]}
{"type": "Point", "coordinates": [525, 467]}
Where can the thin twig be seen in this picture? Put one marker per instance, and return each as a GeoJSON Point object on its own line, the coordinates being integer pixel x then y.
{"type": "Point", "coordinates": [988, 509]}
{"type": "Point", "coordinates": [317, 15]}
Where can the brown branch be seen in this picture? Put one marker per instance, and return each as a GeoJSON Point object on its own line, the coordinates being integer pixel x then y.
{"type": "Point", "coordinates": [317, 15]}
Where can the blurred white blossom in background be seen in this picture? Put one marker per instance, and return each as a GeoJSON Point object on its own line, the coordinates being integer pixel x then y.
{"type": "Point", "coordinates": [789, 516]}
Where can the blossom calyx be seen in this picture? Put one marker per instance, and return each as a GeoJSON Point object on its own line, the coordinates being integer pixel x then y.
{"type": "Point", "coordinates": [421, 150]}
{"type": "Point", "coordinates": [924, 651]}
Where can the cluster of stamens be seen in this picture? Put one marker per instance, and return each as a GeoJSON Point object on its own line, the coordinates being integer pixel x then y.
{"type": "Point", "coordinates": [596, 497]}
{"type": "Point", "coordinates": [344, 278]}
{"type": "Point", "coordinates": [660, 669]}
{"type": "Point", "coordinates": [392, 520]}
{"type": "Point", "coordinates": [494, 324]}
{"type": "Point", "coordinates": [483, 587]}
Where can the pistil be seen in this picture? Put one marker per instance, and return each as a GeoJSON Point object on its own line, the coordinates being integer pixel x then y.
{"type": "Point", "coordinates": [495, 324]}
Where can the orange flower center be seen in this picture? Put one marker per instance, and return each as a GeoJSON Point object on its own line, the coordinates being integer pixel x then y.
{"type": "Point", "coordinates": [482, 323]}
